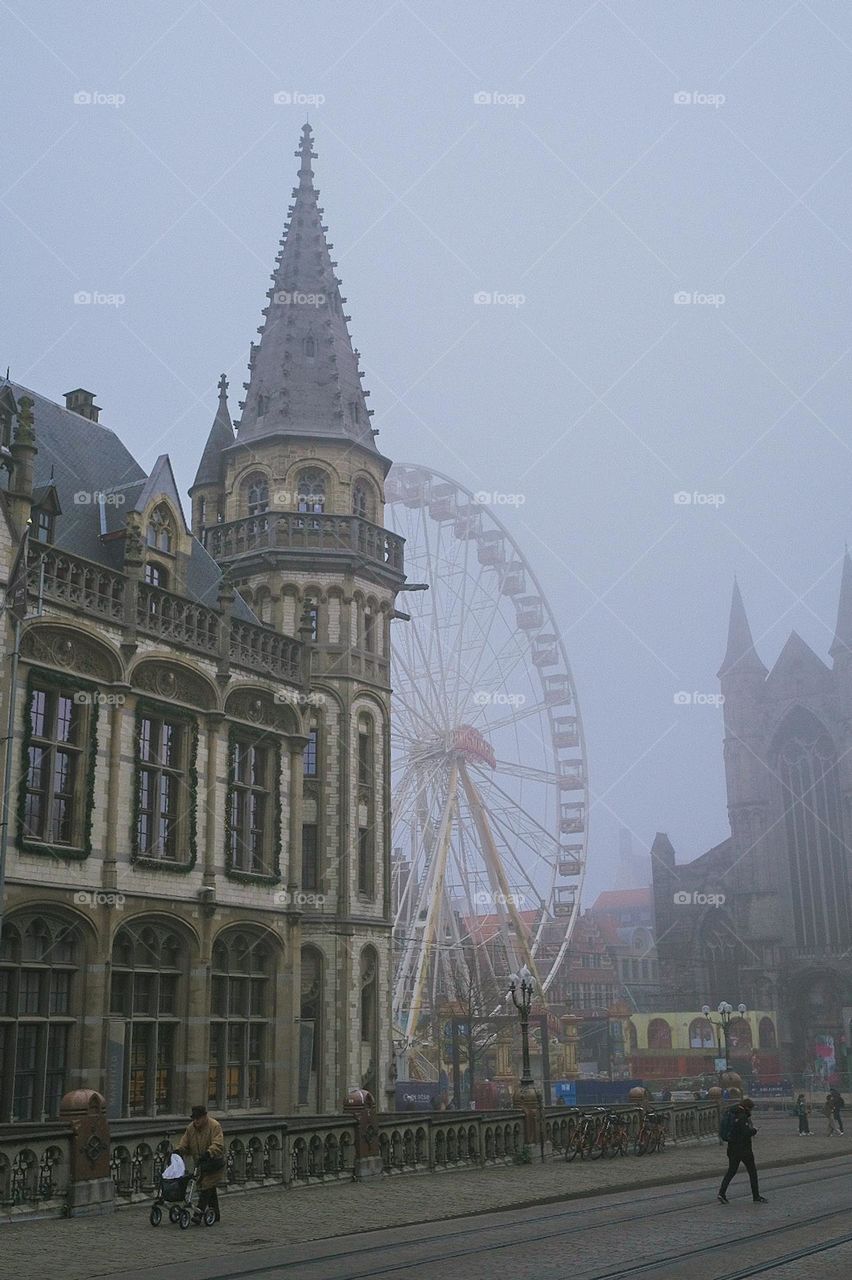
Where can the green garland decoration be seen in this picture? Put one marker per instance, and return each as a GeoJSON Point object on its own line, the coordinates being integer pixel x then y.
{"type": "Point", "coordinates": [147, 707]}
{"type": "Point", "coordinates": [235, 873]}
{"type": "Point", "coordinates": [38, 677]}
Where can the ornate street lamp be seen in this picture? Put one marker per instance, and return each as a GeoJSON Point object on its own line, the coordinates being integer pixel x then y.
{"type": "Point", "coordinates": [726, 1015]}
{"type": "Point", "coordinates": [521, 989]}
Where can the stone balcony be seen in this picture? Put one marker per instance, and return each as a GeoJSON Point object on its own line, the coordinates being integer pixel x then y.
{"type": "Point", "coordinates": [308, 535]}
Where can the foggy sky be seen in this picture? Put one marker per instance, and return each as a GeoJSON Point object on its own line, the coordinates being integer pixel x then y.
{"type": "Point", "coordinates": [598, 198]}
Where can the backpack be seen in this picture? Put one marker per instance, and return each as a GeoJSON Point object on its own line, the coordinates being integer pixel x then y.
{"type": "Point", "coordinates": [727, 1125]}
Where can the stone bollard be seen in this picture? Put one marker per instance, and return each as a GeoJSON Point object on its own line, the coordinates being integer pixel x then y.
{"type": "Point", "coordinates": [90, 1185]}
{"type": "Point", "coordinates": [368, 1161]}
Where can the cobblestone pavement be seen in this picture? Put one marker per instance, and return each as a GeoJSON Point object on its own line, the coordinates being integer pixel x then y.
{"type": "Point", "coordinates": [259, 1222]}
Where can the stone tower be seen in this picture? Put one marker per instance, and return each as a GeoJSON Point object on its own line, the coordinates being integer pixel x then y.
{"type": "Point", "coordinates": [290, 504]}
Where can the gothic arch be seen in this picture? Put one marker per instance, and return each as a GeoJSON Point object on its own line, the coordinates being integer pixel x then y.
{"type": "Point", "coordinates": [255, 705]}
{"type": "Point", "coordinates": [71, 649]}
{"type": "Point", "coordinates": [163, 677]}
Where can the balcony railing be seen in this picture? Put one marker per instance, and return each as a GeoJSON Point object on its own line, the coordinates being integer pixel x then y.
{"type": "Point", "coordinates": [176, 619]}
{"type": "Point", "coordinates": [78, 583]}
{"type": "Point", "coordinates": [265, 651]}
{"type": "Point", "coordinates": [297, 531]}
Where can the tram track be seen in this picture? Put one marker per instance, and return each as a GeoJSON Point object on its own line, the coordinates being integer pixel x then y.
{"type": "Point", "coordinates": [340, 1256]}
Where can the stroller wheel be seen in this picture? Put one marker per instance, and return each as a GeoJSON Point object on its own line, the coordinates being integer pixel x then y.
{"type": "Point", "coordinates": [174, 1213]}
{"type": "Point", "coordinates": [209, 1217]}
{"type": "Point", "coordinates": [184, 1219]}
{"type": "Point", "coordinates": [155, 1217]}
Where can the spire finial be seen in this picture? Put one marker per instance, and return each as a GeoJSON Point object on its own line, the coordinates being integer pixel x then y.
{"type": "Point", "coordinates": [223, 387]}
{"type": "Point", "coordinates": [306, 154]}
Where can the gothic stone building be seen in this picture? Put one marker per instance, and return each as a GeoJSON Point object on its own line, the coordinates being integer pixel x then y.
{"type": "Point", "coordinates": [198, 889]}
{"type": "Point", "coordinates": [764, 917]}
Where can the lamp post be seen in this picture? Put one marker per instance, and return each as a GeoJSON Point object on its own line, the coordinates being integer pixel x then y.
{"type": "Point", "coordinates": [726, 1015]}
{"type": "Point", "coordinates": [521, 989]}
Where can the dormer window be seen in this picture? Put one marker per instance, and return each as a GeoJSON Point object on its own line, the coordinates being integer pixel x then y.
{"type": "Point", "coordinates": [42, 526]}
{"type": "Point", "coordinates": [160, 534]}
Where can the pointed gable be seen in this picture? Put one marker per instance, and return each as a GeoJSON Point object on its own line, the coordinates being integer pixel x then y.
{"type": "Point", "coordinates": [303, 375]}
{"type": "Point", "coordinates": [740, 654]}
{"type": "Point", "coordinates": [798, 669]}
{"type": "Point", "coordinates": [211, 468]}
{"type": "Point", "coordinates": [161, 484]}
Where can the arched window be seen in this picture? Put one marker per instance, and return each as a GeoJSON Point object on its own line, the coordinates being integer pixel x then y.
{"type": "Point", "coordinates": [659, 1034]}
{"type": "Point", "coordinates": [816, 852]}
{"type": "Point", "coordinates": [40, 956]}
{"type": "Point", "coordinates": [369, 1018]}
{"type": "Point", "coordinates": [311, 491]}
{"type": "Point", "coordinates": [361, 500]}
{"type": "Point", "coordinates": [257, 495]}
{"type": "Point", "coordinates": [310, 1033]}
{"type": "Point", "coordinates": [739, 1036]}
{"type": "Point", "coordinates": [160, 534]}
{"type": "Point", "coordinates": [719, 948]}
{"type": "Point", "coordinates": [766, 1034]}
{"type": "Point", "coordinates": [148, 962]}
{"type": "Point", "coordinates": [243, 972]}
{"type": "Point", "coordinates": [701, 1034]}
{"type": "Point", "coordinates": [366, 806]}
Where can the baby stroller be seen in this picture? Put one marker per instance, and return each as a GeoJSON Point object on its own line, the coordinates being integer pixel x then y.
{"type": "Point", "coordinates": [175, 1192]}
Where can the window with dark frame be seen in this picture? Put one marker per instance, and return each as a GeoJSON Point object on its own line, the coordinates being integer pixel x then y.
{"type": "Point", "coordinates": [52, 804]}
{"type": "Point", "coordinates": [42, 526]}
{"type": "Point", "coordinates": [310, 755]}
{"type": "Point", "coordinates": [250, 806]}
{"type": "Point", "coordinates": [239, 1029]}
{"type": "Point", "coordinates": [163, 793]}
{"type": "Point", "coordinates": [310, 856]}
{"type": "Point", "coordinates": [147, 964]}
{"type": "Point", "coordinates": [257, 496]}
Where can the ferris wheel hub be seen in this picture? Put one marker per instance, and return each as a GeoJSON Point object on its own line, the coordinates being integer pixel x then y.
{"type": "Point", "coordinates": [470, 744]}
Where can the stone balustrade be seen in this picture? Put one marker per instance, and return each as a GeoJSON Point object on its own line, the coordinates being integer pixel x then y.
{"type": "Point", "coordinates": [309, 532]}
{"type": "Point", "coordinates": [306, 1150]}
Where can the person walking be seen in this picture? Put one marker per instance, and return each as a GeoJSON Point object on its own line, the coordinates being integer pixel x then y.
{"type": "Point", "coordinates": [737, 1130]}
{"type": "Point", "coordinates": [802, 1112]}
{"type": "Point", "coordinates": [829, 1110]}
{"type": "Point", "coordinates": [205, 1143]}
{"type": "Point", "coordinates": [837, 1104]}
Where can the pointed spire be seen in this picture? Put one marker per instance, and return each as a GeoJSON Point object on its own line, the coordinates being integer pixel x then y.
{"type": "Point", "coordinates": [304, 377]}
{"type": "Point", "coordinates": [740, 656]}
{"type": "Point", "coordinates": [841, 645]}
{"type": "Point", "coordinates": [211, 466]}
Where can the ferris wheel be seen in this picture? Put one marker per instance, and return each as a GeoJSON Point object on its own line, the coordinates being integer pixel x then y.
{"type": "Point", "coordinates": [490, 789]}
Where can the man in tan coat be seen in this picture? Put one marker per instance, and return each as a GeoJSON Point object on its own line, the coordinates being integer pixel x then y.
{"type": "Point", "coordinates": [204, 1144]}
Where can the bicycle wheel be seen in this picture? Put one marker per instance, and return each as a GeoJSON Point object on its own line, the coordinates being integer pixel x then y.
{"type": "Point", "coordinates": [575, 1145]}
{"type": "Point", "coordinates": [661, 1140]}
{"type": "Point", "coordinates": [641, 1144]}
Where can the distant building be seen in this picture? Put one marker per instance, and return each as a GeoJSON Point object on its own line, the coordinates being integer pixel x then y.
{"type": "Point", "coordinates": [764, 917]}
{"type": "Point", "coordinates": [625, 918]}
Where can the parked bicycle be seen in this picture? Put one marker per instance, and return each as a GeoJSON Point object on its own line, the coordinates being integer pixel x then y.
{"type": "Point", "coordinates": [652, 1134]}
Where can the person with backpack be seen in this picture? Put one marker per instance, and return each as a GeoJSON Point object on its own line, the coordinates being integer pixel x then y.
{"type": "Point", "coordinates": [837, 1105]}
{"type": "Point", "coordinates": [801, 1109]}
{"type": "Point", "coordinates": [737, 1130]}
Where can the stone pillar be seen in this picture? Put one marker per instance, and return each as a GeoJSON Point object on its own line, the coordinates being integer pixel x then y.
{"type": "Point", "coordinates": [569, 1039]}
{"type": "Point", "coordinates": [359, 1103]}
{"type": "Point", "coordinates": [90, 1185]}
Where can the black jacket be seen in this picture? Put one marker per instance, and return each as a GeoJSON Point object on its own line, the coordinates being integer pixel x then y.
{"type": "Point", "coordinates": [742, 1130]}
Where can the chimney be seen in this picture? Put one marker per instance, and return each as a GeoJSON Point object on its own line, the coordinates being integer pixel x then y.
{"type": "Point", "coordinates": [82, 402]}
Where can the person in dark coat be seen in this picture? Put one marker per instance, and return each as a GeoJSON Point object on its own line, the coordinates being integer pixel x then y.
{"type": "Point", "coordinates": [740, 1133]}
{"type": "Point", "coordinates": [205, 1143]}
{"type": "Point", "coordinates": [837, 1105]}
{"type": "Point", "coordinates": [802, 1110]}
